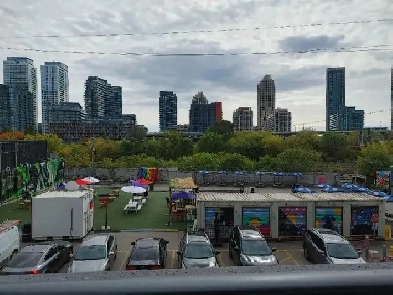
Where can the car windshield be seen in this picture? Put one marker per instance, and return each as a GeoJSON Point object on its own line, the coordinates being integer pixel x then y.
{"type": "Point", "coordinates": [25, 260]}
{"type": "Point", "coordinates": [342, 251]}
{"type": "Point", "coordinates": [198, 251]}
{"type": "Point", "coordinates": [255, 247]}
{"type": "Point", "coordinates": [144, 254]}
{"type": "Point", "coordinates": [94, 252]}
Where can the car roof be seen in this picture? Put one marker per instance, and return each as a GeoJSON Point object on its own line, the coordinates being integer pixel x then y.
{"type": "Point", "coordinates": [38, 248]}
{"type": "Point", "coordinates": [330, 236]}
{"type": "Point", "coordinates": [250, 232]}
{"type": "Point", "coordinates": [147, 243]}
{"type": "Point", "coordinates": [196, 237]}
{"type": "Point", "coordinates": [96, 240]}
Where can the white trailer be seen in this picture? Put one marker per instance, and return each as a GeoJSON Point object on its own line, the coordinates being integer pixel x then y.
{"type": "Point", "coordinates": [62, 215]}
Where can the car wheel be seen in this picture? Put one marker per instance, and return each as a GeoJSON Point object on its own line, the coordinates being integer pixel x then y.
{"type": "Point", "coordinates": [306, 254]}
{"type": "Point", "coordinates": [13, 253]}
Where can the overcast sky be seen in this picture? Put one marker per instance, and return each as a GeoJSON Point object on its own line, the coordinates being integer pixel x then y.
{"type": "Point", "coordinates": [300, 78]}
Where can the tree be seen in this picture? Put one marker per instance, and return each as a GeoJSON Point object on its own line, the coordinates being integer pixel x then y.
{"type": "Point", "coordinates": [210, 143]}
{"type": "Point", "coordinates": [223, 127]}
{"type": "Point", "coordinates": [199, 161]}
{"type": "Point", "coordinates": [303, 139]}
{"type": "Point", "coordinates": [235, 162]}
{"type": "Point", "coordinates": [30, 130]}
{"type": "Point", "coordinates": [375, 157]}
{"type": "Point", "coordinates": [6, 129]}
{"type": "Point", "coordinates": [174, 145]}
{"type": "Point", "coordinates": [298, 160]}
{"type": "Point", "coordinates": [76, 155]}
{"type": "Point", "coordinates": [105, 148]}
{"type": "Point", "coordinates": [14, 135]}
{"type": "Point", "coordinates": [54, 142]}
{"type": "Point", "coordinates": [334, 146]}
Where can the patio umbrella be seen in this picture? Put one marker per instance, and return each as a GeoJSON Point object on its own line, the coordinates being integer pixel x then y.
{"type": "Point", "coordinates": [144, 181]}
{"type": "Point", "coordinates": [361, 190]}
{"type": "Point", "coordinates": [260, 173]}
{"type": "Point", "coordinates": [82, 182]}
{"type": "Point", "coordinates": [378, 194]}
{"type": "Point", "coordinates": [321, 185]}
{"type": "Point", "coordinates": [182, 196]}
{"type": "Point", "coordinates": [303, 190]}
{"type": "Point", "coordinates": [296, 176]}
{"type": "Point", "coordinates": [136, 183]}
{"type": "Point", "coordinates": [71, 186]}
{"type": "Point", "coordinates": [332, 190]}
{"type": "Point", "coordinates": [91, 179]}
{"type": "Point", "coordinates": [133, 189]}
{"type": "Point", "coordinates": [349, 186]}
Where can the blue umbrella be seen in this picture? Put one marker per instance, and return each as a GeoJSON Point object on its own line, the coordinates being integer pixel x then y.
{"type": "Point", "coordinates": [183, 196]}
{"type": "Point", "coordinates": [303, 190]}
{"type": "Point", "coordinates": [389, 199]}
{"type": "Point", "coordinates": [260, 173]}
{"type": "Point", "coordinates": [361, 190]}
{"type": "Point", "coordinates": [136, 183]}
{"type": "Point", "coordinates": [297, 174]}
{"type": "Point", "coordinates": [378, 194]}
{"type": "Point", "coordinates": [222, 172]}
{"type": "Point", "coordinates": [278, 174]}
{"type": "Point", "coordinates": [204, 172]}
{"type": "Point", "coordinates": [349, 186]}
{"type": "Point", "coordinates": [332, 190]}
{"type": "Point", "coordinates": [321, 185]}
{"type": "Point", "coordinates": [239, 172]}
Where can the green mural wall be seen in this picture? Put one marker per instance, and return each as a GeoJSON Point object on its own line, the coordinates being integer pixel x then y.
{"type": "Point", "coordinates": [29, 177]}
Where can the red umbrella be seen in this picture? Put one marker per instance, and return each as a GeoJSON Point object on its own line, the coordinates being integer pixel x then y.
{"type": "Point", "coordinates": [143, 181]}
{"type": "Point", "coordinates": [82, 181]}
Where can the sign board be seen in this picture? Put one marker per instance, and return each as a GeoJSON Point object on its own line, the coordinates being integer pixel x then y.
{"type": "Point", "coordinates": [375, 226]}
{"type": "Point", "coordinates": [374, 218]}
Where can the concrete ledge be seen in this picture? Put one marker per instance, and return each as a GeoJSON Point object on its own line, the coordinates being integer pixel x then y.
{"type": "Point", "coordinates": [142, 230]}
{"type": "Point", "coordinates": [166, 230]}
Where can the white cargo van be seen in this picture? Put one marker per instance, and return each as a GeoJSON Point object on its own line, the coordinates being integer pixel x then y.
{"type": "Point", "coordinates": [9, 240]}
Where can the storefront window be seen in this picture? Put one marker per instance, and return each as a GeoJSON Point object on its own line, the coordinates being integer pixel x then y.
{"type": "Point", "coordinates": [226, 221]}
{"type": "Point", "coordinates": [361, 218]}
{"type": "Point", "coordinates": [329, 217]}
{"type": "Point", "coordinates": [292, 221]}
{"type": "Point", "coordinates": [258, 217]}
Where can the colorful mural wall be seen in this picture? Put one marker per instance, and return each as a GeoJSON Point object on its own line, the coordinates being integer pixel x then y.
{"type": "Point", "coordinates": [150, 174]}
{"type": "Point", "coordinates": [330, 218]}
{"type": "Point", "coordinates": [382, 179]}
{"type": "Point", "coordinates": [362, 220]}
{"type": "Point", "coordinates": [258, 217]}
{"type": "Point", "coordinates": [292, 221]}
{"type": "Point", "coordinates": [226, 221]}
{"type": "Point", "coordinates": [30, 177]}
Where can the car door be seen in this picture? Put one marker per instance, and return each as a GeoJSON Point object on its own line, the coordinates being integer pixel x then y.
{"type": "Point", "coordinates": [110, 248]}
{"type": "Point", "coordinates": [236, 248]}
{"type": "Point", "coordinates": [62, 253]}
{"type": "Point", "coordinates": [318, 253]}
{"type": "Point", "coordinates": [162, 252]}
{"type": "Point", "coordinates": [181, 249]}
{"type": "Point", "coordinates": [51, 260]}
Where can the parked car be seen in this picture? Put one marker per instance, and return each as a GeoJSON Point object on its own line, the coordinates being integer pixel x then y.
{"type": "Point", "coordinates": [9, 241]}
{"type": "Point", "coordinates": [248, 247]}
{"type": "Point", "coordinates": [39, 258]}
{"type": "Point", "coordinates": [147, 253]}
{"type": "Point", "coordinates": [195, 250]}
{"type": "Point", "coordinates": [97, 253]}
{"type": "Point", "coordinates": [325, 246]}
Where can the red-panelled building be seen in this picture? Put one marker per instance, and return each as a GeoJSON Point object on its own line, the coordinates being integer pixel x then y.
{"type": "Point", "coordinates": [218, 107]}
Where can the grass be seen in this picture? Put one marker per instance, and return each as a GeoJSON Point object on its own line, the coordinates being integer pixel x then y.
{"type": "Point", "coordinates": [152, 216]}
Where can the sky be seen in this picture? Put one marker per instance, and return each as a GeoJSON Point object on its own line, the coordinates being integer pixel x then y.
{"type": "Point", "coordinates": [300, 77]}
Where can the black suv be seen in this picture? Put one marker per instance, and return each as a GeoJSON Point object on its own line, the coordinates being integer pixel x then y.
{"type": "Point", "coordinates": [325, 246]}
{"type": "Point", "coordinates": [247, 247]}
{"type": "Point", "coordinates": [195, 250]}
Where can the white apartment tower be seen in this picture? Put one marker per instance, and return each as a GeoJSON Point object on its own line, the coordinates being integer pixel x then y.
{"type": "Point", "coordinates": [266, 101]}
{"type": "Point", "coordinates": [19, 73]}
{"type": "Point", "coordinates": [243, 119]}
{"type": "Point", "coordinates": [54, 89]}
{"type": "Point", "coordinates": [279, 121]}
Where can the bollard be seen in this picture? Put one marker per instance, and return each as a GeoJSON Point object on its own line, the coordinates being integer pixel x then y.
{"type": "Point", "coordinates": [384, 254]}
{"type": "Point", "coordinates": [367, 242]}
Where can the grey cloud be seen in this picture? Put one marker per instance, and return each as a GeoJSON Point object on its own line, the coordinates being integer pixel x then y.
{"type": "Point", "coordinates": [304, 43]}
{"type": "Point", "coordinates": [7, 11]}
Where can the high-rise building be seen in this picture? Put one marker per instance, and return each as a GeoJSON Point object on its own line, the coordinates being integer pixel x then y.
{"type": "Point", "coordinates": [102, 99]}
{"type": "Point", "coordinates": [243, 119]}
{"type": "Point", "coordinates": [203, 114]}
{"type": "Point", "coordinates": [279, 121]}
{"type": "Point", "coordinates": [391, 99]}
{"type": "Point", "coordinates": [167, 104]}
{"type": "Point", "coordinates": [335, 99]}
{"type": "Point", "coordinates": [354, 119]}
{"type": "Point", "coordinates": [54, 89]}
{"type": "Point", "coordinates": [20, 74]}
{"type": "Point", "coordinates": [266, 101]}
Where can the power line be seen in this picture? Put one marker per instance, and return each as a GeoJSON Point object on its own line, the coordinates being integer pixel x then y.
{"type": "Point", "coordinates": [381, 47]}
{"type": "Point", "coordinates": [202, 31]}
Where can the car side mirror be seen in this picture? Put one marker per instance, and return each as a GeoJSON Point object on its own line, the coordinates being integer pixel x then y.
{"type": "Point", "coordinates": [166, 242]}
{"type": "Point", "coordinates": [71, 255]}
{"type": "Point", "coordinates": [360, 252]}
{"type": "Point", "coordinates": [236, 248]}
{"type": "Point", "coordinates": [216, 252]}
{"type": "Point", "coordinates": [179, 253]}
{"type": "Point", "coordinates": [274, 250]}
{"type": "Point", "coordinates": [111, 253]}
{"type": "Point", "coordinates": [132, 243]}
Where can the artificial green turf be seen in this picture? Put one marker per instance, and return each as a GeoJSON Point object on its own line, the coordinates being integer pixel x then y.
{"type": "Point", "coordinates": [151, 216]}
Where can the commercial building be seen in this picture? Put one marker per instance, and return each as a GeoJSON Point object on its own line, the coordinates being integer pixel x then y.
{"type": "Point", "coordinates": [354, 119]}
{"type": "Point", "coordinates": [243, 119]}
{"type": "Point", "coordinates": [167, 104]}
{"type": "Point", "coordinates": [102, 99]}
{"type": "Point", "coordinates": [391, 99]}
{"type": "Point", "coordinates": [266, 101]}
{"type": "Point", "coordinates": [20, 74]}
{"type": "Point", "coordinates": [279, 121]}
{"type": "Point", "coordinates": [182, 128]}
{"type": "Point", "coordinates": [54, 89]}
{"type": "Point", "coordinates": [335, 99]}
{"type": "Point", "coordinates": [203, 114]}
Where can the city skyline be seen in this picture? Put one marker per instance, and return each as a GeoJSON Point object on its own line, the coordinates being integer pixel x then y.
{"type": "Point", "coordinates": [300, 78]}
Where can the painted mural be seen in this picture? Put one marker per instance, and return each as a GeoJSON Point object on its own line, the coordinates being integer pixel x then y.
{"type": "Point", "coordinates": [259, 217]}
{"type": "Point", "coordinates": [292, 221]}
{"type": "Point", "coordinates": [330, 218]}
{"type": "Point", "coordinates": [382, 179]}
{"type": "Point", "coordinates": [30, 177]}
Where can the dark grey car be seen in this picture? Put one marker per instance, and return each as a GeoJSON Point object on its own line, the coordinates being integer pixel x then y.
{"type": "Point", "coordinates": [95, 254]}
{"type": "Point", "coordinates": [325, 246]}
{"type": "Point", "coordinates": [195, 250]}
{"type": "Point", "coordinates": [39, 258]}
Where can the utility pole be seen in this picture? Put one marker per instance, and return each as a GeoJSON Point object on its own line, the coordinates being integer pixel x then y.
{"type": "Point", "coordinates": [93, 153]}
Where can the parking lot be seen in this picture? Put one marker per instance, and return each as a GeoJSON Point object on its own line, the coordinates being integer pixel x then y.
{"type": "Point", "coordinates": [288, 253]}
